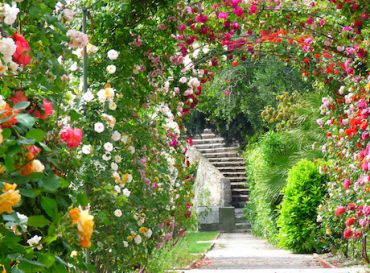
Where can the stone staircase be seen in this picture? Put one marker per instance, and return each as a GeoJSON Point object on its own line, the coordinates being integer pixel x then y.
{"type": "Point", "coordinates": [231, 165]}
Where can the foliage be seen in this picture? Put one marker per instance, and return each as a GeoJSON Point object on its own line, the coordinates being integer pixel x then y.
{"type": "Point", "coordinates": [269, 160]}
{"type": "Point", "coordinates": [304, 192]}
{"type": "Point", "coordinates": [112, 157]}
{"type": "Point", "coordinates": [232, 103]}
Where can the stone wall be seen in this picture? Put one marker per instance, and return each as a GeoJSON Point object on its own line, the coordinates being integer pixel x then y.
{"type": "Point", "coordinates": [212, 193]}
{"type": "Point", "coordinates": [212, 189]}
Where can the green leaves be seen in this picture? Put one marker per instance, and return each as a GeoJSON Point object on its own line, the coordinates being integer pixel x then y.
{"type": "Point", "coordinates": [38, 221]}
{"type": "Point", "coordinates": [304, 192]}
{"type": "Point", "coordinates": [51, 183]}
{"type": "Point", "coordinates": [21, 105]}
{"type": "Point", "coordinates": [36, 134]}
{"type": "Point", "coordinates": [50, 207]}
{"type": "Point", "coordinates": [26, 120]}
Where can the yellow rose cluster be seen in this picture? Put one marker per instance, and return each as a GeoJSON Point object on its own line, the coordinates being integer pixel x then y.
{"type": "Point", "coordinates": [85, 225]}
{"type": "Point", "coordinates": [9, 198]}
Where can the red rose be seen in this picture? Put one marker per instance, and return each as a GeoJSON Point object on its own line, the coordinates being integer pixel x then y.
{"type": "Point", "coordinates": [73, 137]}
{"type": "Point", "coordinates": [348, 233]}
{"type": "Point", "coordinates": [340, 210]}
{"type": "Point", "coordinates": [351, 206]}
{"type": "Point", "coordinates": [21, 56]}
{"type": "Point", "coordinates": [48, 110]}
{"type": "Point", "coordinates": [350, 221]}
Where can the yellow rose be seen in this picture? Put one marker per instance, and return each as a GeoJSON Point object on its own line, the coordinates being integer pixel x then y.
{"type": "Point", "coordinates": [85, 228]}
{"type": "Point", "coordinates": [328, 231]}
{"type": "Point", "coordinates": [143, 230]}
{"type": "Point", "coordinates": [9, 198]}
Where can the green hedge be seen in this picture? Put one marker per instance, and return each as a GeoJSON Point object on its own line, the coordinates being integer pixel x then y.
{"type": "Point", "coordinates": [268, 162]}
{"type": "Point", "coordinates": [303, 194]}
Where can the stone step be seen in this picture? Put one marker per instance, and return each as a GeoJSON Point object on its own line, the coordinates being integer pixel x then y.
{"type": "Point", "coordinates": [239, 198]}
{"type": "Point", "coordinates": [208, 135]}
{"type": "Point", "coordinates": [237, 179]}
{"type": "Point", "coordinates": [240, 185]}
{"type": "Point", "coordinates": [197, 141]}
{"type": "Point", "coordinates": [227, 159]}
{"type": "Point", "coordinates": [240, 219]}
{"type": "Point", "coordinates": [239, 191]}
{"type": "Point", "coordinates": [208, 145]}
{"type": "Point", "coordinates": [234, 174]}
{"type": "Point", "coordinates": [238, 204]}
{"type": "Point", "coordinates": [246, 226]}
{"type": "Point", "coordinates": [239, 211]}
{"type": "Point", "coordinates": [219, 155]}
{"type": "Point", "coordinates": [218, 150]}
{"type": "Point", "coordinates": [231, 169]}
{"type": "Point", "coordinates": [207, 131]}
{"type": "Point", "coordinates": [228, 163]}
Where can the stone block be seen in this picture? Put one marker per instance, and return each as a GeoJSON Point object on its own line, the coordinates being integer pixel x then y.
{"type": "Point", "coordinates": [227, 219]}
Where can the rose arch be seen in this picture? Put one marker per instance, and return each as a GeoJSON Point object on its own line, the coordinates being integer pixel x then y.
{"type": "Point", "coordinates": [98, 177]}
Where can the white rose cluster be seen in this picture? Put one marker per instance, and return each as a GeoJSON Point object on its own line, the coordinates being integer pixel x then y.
{"type": "Point", "coordinates": [112, 55]}
{"type": "Point", "coordinates": [77, 38]}
{"type": "Point", "coordinates": [7, 50]}
{"type": "Point", "coordinates": [9, 13]}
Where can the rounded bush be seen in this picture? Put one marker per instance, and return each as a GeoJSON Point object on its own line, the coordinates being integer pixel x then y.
{"type": "Point", "coordinates": [303, 193]}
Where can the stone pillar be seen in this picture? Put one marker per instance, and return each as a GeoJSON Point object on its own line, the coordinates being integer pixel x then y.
{"type": "Point", "coordinates": [227, 219]}
{"type": "Point", "coordinates": [226, 192]}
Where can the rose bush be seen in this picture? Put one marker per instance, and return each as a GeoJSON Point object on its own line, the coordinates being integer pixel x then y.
{"type": "Point", "coordinates": [111, 158]}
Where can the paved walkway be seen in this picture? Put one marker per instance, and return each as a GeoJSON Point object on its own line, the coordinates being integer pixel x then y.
{"type": "Point", "coordinates": [243, 253]}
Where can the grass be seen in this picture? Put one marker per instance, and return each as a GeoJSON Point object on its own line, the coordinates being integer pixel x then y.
{"type": "Point", "coordinates": [184, 253]}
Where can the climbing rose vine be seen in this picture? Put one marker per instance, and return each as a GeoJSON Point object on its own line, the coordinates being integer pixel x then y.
{"type": "Point", "coordinates": [106, 168]}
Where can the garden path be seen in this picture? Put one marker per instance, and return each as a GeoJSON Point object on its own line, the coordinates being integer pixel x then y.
{"type": "Point", "coordinates": [244, 253]}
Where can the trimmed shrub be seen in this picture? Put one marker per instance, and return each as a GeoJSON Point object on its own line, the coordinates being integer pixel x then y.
{"type": "Point", "coordinates": [304, 192]}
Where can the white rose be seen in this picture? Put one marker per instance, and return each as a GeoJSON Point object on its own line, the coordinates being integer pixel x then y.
{"type": "Point", "coordinates": [129, 178]}
{"type": "Point", "coordinates": [116, 136]}
{"type": "Point", "coordinates": [10, 13]}
{"type": "Point", "coordinates": [117, 188]}
{"type": "Point", "coordinates": [74, 67]}
{"type": "Point", "coordinates": [124, 139]}
{"type": "Point", "coordinates": [35, 242]}
{"type": "Point", "coordinates": [118, 159]}
{"type": "Point", "coordinates": [86, 149]}
{"type": "Point", "coordinates": [131, 149]}
{"type": "Point", "coordinates": [22, 217]}
{"type": "Point", "coordinates": [148, 234]}
{"type": "Point", "coordinates": [92, 49]}
{"type": "Point", "coordinates": [125, 243]}
{"type": "Point", "coordinates": [68, 15]}
{"type": "Point", "coordinates": [138, 239]}
{"type": "Point", "coordinates": [13, 66]}
{"type": "Point", "coordinates": [112, 105]}
{"type": "Point", "coordinates": [114, 166]}
{"type": "Point", "coordinates": [118, 213]}
{"type": "Point", "coordinates": [126, 192]}
{"type": "Point", "coordinates": [106, 157]}
{"type": "Point", "coordinates": [7, 49]}
{"type": "Point", "coordinates": [111, 69]}
{"type": "Point", "coordinates": [88, 96]}
{"type": "Point", "coordinates": [113, 54]}
{"type": "Point", "coordinates": [99, 127]}
{"type": "Point", "coordinates": [108, 146]}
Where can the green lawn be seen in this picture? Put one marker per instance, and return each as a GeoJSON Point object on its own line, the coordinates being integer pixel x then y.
{"type": "Point", "coordinates": [184, 253]}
